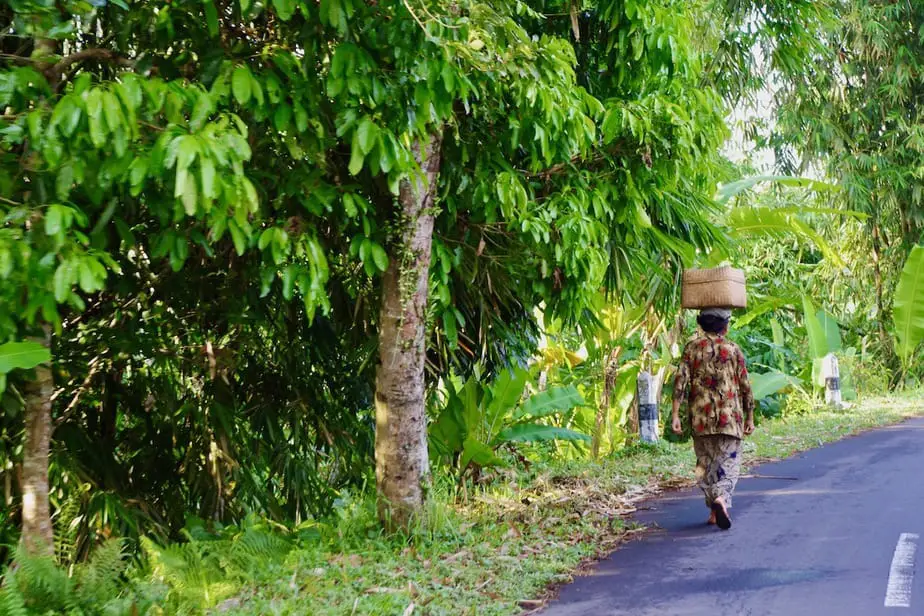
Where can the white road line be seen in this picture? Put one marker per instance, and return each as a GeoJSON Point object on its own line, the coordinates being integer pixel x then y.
{"type": "Point", "coordinates": [901, 574]}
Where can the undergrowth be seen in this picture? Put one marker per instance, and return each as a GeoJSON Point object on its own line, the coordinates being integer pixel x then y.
{"type": "Point", "coordinates": [491, 549]}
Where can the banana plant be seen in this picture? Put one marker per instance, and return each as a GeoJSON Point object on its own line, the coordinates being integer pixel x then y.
{"type": "Point", "coordinates": [744, 221]}
{"type": "Point", "coordinates": [823, 335]}
{"type": "Point", "coordinates": [477, 419]}
{"type": "Point", "coordinates": [908, 307]}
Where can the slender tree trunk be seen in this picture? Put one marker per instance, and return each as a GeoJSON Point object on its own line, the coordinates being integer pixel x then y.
{"type": "Point", "coordinates": [610, 370]}
{"type": "Point", "coordinates": [880, 292]}
{"type": "Point", "coordinates": [37, 536]}
{"type": "Point", "coordinates": [401, 462]}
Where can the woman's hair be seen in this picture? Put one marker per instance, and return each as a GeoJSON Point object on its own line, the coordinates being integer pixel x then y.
{"type": "Point", "coordinates": [712, 324]}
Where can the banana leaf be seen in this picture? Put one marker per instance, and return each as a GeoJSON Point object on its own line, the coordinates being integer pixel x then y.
{"type": "Point", "coordinates": [908, 306]}
{"type": "Point", "coordinates": [530, 433]}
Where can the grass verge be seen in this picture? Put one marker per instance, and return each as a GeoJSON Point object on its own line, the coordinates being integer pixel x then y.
{"type": "Point", "coordinates": [501, 551]}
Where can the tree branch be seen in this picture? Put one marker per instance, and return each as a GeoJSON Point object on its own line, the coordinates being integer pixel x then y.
{"type": "Point", "coordinates": [54, 72]}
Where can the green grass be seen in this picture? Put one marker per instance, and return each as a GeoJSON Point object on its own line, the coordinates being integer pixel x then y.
{"type": "Point", "coordinates": [500, 551]}
{"type": "Point", "coordinates": [783, 437]}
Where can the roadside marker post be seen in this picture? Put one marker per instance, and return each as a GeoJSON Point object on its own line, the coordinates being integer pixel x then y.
{"type": "Point", "coordinates": [832, 376]}
{"type": "Point", "coordinates": [647, 408]}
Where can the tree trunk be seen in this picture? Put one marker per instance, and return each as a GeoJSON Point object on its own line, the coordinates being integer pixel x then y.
{"type": "Point", "coordinates": [401, 461]}
{"type": "Point", "coordinates": [37, 536]}
{"type": "Point", "coordinates": [610, 370]}
{"type": "Point", "coordinates": [880, 292]}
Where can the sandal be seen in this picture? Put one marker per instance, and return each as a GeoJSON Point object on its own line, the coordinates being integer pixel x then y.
{"type": "Point", "coordinates": [721, 516]}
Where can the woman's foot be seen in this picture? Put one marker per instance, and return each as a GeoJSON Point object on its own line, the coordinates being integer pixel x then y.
{"type": "Point", "coordinates": [711, 520]}
{"type": "Point", "coordinates": [721, 514]}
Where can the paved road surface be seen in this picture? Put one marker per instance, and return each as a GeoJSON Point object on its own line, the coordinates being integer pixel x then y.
{"type": "Point", "coordinates": [840, 540]}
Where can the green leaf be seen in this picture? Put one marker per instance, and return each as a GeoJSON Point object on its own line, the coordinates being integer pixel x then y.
{"type": "Point", "coordinates": [818, 344]}
{"type": "Point", "coordinates": [818, 376]}
{"type": "Point", "coordinates": [207, 168]}
{"type": "Point", "coordinates": [62, 282]}
{"type": "Point", "coordinates": [112, 110]}
{"type": "Point", "coordinates": [256, 90]}
{"type": "Point", "coordinates": [763, 308]}
{"type": "Point", "coordinates": [250, 192]}
{"type": "Point", "coordinates": [54, 220]}
{"type": "Point", "coordinates": [34, 120]}
{"type": "Point", "coordinates": [779, 340]}
{"type": "Point", "coordinates": [532, 433]}
{"type": "Point", "coordinates": [284, 8]}
{"type": "Point", "coordinates": [265, 238]}
{"type": "Point", "coordinates": [553, 400]}
{"type": "Point", "coordinates": [241, 82]}
{"type": "Point", "coordinates": [908, 306]}
{"type": "Point", "coordinates": [179, 253]}
{"type": "Point", "coordinates": [189, 196]}
{"type": "Point", "coordinates": [379, 257]}
{"type": "Point", "coordinates": [769, 383]}
{"type": "Point", "coordinates": [22, 356]}
{"type": "Point", "coordinates": [733, 189]}
{"type": "Point", "coordinates": [832, 332]}
{"type": "Point", "coordinates": [349, 205]}
{"type": "Point", "coordinates": [67, 114]}
{"type": "Point", "coordinates": [238, 237]}
{"type": "Point", "coordinates": [187, 151]}
{"type": "Point", "coordinates": [201, 111]}
{"type": "Point", "coordinates": [211, 17]}
{"type": "Point", "coordinates": [448, 431]}
{"type": "Point", "coordinates": [641, 216]}
{"type": "Point", "coordinates": [94, 103]}
{"type": "Point", "coordinates": [506, 394]}
{"type": "Point", "coordinates": [356, 159]}
{"type": "Point", "coordinates": [449, 326]}
{"type": "Point", "coordinates": [778, 222]}
{"type": "Point", "coordinates": [288, 281]}
{"type": "Point", "coordinates": [89, 277]}
{"type": "Point", "coordinates": [282, 117]}
{"type": "Point", "coordinates": [476, 452]}
{"type": "Point", "coordinates": [366, 134]}
{"type": "Point", "coordinates": [64, 182]}
{"type": "Point", "coordinates": [301, 117]}
{"type": "Point", "coordinates": [138, 171]}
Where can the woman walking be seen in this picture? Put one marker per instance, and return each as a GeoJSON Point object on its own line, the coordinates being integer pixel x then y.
{"type": "Point", "coordinates": [713, 379]}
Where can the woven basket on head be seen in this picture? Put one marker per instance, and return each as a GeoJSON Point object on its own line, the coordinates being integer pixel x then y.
{"type": "Point", "coordinates": [721, 287]}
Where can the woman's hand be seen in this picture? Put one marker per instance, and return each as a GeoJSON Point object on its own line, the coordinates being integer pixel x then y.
{"type": "Point", "coordinates": [749, 426]}
{"type": "Point", "coordinates": [676, 426]}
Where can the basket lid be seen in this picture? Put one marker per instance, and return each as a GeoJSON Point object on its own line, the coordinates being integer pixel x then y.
{"type": "Point", "coordinates": [716, 274]}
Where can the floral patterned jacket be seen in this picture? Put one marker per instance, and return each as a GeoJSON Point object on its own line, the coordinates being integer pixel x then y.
{"type": "Point", "coordinates": [713, 378]}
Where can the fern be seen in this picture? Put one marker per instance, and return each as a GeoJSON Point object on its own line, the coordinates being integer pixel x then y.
{"type": "Point", "coordinates": [103, 577]}
{"type": "Point", "coordinates": [67, 521]}
{"type": "Point", "coordinates": [209, 569]}
{"type": "Point", "coordinates": [12, 602]}
{"type": "Point", "coordinates": [45, 584]}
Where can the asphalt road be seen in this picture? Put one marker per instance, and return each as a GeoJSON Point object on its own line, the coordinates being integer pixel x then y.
{"type": "Point", "coordinates": [831, 532]}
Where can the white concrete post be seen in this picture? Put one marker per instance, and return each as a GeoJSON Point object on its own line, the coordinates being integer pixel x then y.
{"type": "Point", "coordinates": [832, 376]}
{"type": "Point", "coordinates": [647, 408]}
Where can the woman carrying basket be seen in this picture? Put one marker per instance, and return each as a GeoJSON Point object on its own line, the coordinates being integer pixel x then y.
{"type": "Point", "coordinates": [713, 380]}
